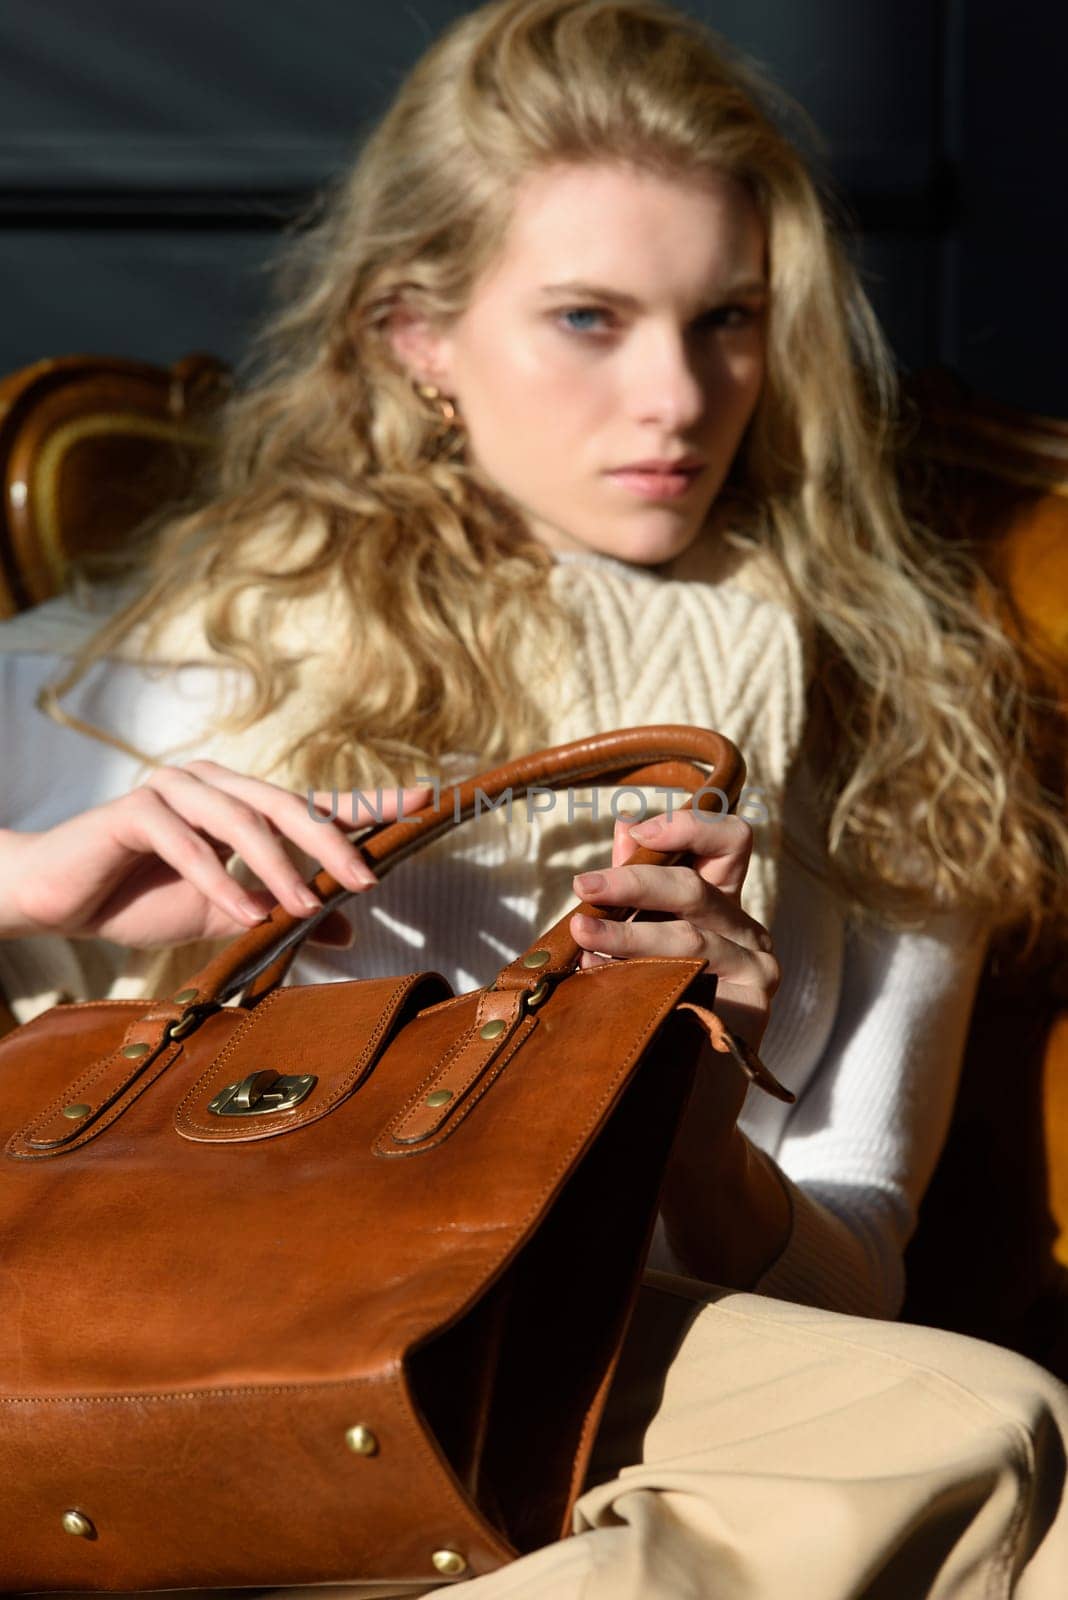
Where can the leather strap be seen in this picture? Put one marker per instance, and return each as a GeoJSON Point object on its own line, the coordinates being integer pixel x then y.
{"type": "Point", "coordinates": [673, 756]}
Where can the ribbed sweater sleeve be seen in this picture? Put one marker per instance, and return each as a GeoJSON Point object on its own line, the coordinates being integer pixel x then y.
{"type": "Point", "coordinates": [858, 1149]}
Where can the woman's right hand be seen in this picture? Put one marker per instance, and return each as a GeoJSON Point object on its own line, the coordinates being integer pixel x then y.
{"type": "Point", "coordinates": [148, 868]}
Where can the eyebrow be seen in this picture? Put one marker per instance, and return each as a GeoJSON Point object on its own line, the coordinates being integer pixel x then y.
{"type": "Point", "coordinates": [748, 286]}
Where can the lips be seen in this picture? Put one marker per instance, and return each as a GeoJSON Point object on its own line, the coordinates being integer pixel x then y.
{"type": "Point", "coordinates": [676, 464]}
{"type": "Point", "coordinates": [655, 484]}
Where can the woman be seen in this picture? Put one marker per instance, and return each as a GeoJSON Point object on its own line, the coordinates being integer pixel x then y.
{"type": "Point", "coordinates": [575, 417]}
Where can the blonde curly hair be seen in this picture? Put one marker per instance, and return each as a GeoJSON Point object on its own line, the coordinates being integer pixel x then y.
{"type": "Point", "coordinates": [922, 716]}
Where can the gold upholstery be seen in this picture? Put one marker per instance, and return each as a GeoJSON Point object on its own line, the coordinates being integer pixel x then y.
{"type": "Point", "coordinates": [89, 446]}
{"type": "Point", "coordinates": [990, 1256]}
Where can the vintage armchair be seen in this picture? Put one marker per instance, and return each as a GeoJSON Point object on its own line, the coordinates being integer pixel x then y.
{"type": "Point", "coordinates": [990, 1255]}
{"type": "Point", "coordinates": [90, 446]}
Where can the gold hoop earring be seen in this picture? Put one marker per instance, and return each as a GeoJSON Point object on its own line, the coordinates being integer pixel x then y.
{"type": "Point", "coordinates": [444, 407]}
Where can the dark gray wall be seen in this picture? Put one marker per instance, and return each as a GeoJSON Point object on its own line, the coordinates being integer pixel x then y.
{"type": "Point", "coordinates": [149, 153]}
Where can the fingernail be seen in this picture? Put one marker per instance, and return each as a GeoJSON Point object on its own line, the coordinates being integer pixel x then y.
{"type": "Point", "coordinates": [309, 901]}
{"type": "Point", "coordinates": [358, 876]}
{"type": "Point", "coordinates": [588, 882]}
{"type": "Point", "coordinates": [247, 909]}
{"type": "Point", "coordinates": [647, 830]}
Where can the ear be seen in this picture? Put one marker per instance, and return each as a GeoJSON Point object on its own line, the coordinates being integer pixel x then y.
{"type": "Point", "coordinates": [419, 347]}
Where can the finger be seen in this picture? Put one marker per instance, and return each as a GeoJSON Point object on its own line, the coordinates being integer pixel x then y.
{"type": "Point", "coordinates": [348, 810]}
{"type": "Point", "coordinates": [676, 889]}
{"type": "Point", "coordinates": [678, 892]}
{"type": "Point", "coordinates": [731, 962]}
{"type": "Point", "coordinates": [721, 846]}
{"type": "Point", "coordinates": [623, 846]}
{"type": "Point", "coordinates": [144, 824]}
{"type": "Point", "coordinates": [293, 817]}
{"type": "Point", "coordinates": [244, 826]}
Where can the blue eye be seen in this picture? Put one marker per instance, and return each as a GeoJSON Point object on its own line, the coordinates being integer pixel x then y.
{"type": "Point", "coordinates": [729, 318]}
{"type": "Point", "coordinates": [581, 311]}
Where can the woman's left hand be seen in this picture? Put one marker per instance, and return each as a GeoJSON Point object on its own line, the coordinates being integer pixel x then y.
{"type": "Point", "coordinates": [703, 906]}
{"type": "Point", "coordinates": [726, 1213]}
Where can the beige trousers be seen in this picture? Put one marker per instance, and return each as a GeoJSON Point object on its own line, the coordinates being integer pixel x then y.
{"type": "Point", "coordinates": [757, 1450]}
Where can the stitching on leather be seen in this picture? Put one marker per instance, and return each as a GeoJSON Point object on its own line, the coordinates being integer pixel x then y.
{"type": "Point", "coordinates": [608, 1095]}
{"type": "Point", "coordinates": [381, 1147]}
{"type": "Point", "coordinates": [240, 1392]}
{"type": "Point", "coordinates": [95, 1070]}
{"type": "Point", "coordinates": [53, 1109]}
{"type": "Point", "coordinates": [396, 1379]}
{"type": "Point", "coordinates": [434, 1073]}
{"type": "Point", "coordinates": [43, 1017]}
{"type": "Point", "coordinates": [92, 1074]}
{"type": "Point", "coordinates": [482, 1062]}
{"type": "Point", "coordinates": [442, 1005]}
{"type": "Point", "coordinates": [230, 1045]}
{"type": "Point", "coordinates": [454, 1049]}
{"type": "Point", "coordinates": [185, 1117]}
{"type": "Point", "coordinates": [489, 1075]}
{"type": "Point", "coordinates": [425, 1083]}
{"type": "Point", "coordinates": [481, 1066]}
{"type": "Point", "coordinates": [133, 1091]}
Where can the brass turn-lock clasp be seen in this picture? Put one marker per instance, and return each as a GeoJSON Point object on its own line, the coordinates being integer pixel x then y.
{"type": "Point", "coordinates": [262, 1093]}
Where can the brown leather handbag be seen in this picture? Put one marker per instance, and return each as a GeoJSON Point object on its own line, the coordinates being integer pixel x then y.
{"type": "Point", "coordinates": [330, 1284]}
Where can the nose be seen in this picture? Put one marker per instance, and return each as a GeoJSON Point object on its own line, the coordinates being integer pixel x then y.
{"type": "Point", "coordinates": [666, 388]}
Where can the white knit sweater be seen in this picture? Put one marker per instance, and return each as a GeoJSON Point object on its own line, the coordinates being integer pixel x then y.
{"type": "Point", "coordinates": [867, 1027]}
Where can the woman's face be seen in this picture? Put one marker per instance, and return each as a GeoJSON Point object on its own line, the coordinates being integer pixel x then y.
{"type": "Point", "coordinates": [623, 323]}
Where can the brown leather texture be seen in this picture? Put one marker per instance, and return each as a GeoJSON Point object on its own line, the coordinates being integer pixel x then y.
{"type": "Point", "coordinates": [201, 1306]}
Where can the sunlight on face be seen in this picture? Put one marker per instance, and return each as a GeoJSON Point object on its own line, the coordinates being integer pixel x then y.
{"type": "Point", "coordinates": [559, 387]}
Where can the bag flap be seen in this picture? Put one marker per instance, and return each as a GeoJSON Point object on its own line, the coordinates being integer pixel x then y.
{"type": "Point", "coordinates": [299, 1054]}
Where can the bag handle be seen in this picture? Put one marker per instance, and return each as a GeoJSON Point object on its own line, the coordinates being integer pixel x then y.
{"type": "Point", "coordinates": [669, 755]}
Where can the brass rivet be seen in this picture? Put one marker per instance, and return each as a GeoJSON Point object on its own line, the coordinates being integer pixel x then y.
{"type": "Point", "coordinates": [537, 958]}
{"type": "Point", "coordinates": [361, 1440]}
{"type": "Point", "coordinates": [449, 1562]}
{"type": "Point", "coordinates": [492, 1029]}
{"type": "Point", "coordinates": [74, 1522]}
{"type": "Point", "coordinates": [74, 1112]}
{"type": "Point", "coordinates": [184, 996]}
{"type": "Point", "coordinates": [440, 1097]}
{"type": "Point", "coordinates": [135, 1050]}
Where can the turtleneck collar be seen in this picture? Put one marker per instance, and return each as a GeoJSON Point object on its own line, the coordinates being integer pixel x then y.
{"type": "Point", "coordinates": [597, 558]}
